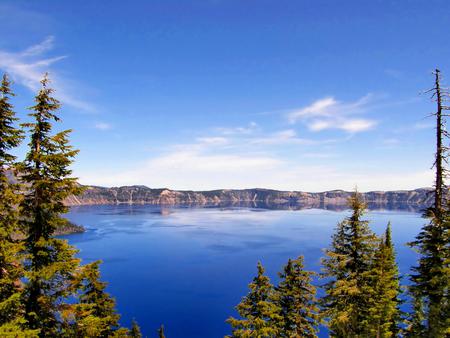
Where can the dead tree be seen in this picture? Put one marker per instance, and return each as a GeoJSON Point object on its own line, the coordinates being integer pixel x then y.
{"type": "Point", "coordinates": [441, 96]}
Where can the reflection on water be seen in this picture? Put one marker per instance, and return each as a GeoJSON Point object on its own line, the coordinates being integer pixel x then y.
{"type": "Point", "coordinates": [165, 210]}
{"type": "Point", "coordinates": [187, 267]}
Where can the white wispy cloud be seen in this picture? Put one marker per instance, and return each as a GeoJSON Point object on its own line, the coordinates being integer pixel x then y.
{"type": "Point", "coordinates": [318, 108]}
{"type": "Point", "coordinates": [194, 170]}
{"type": "Point", "coordinates": [328, 113]}
{"type": "Point", "coordinates": [348, 125]}
{"type": "Point", "coordinates": [252, 160]}
{"type": "Point", "coordinates": [320, 155]}
{"type": "Point", "coordinates": [40, 48]}
{"type": "Point", "coordinates": [213, 140]}
{"type": "Point", "coordinates": [28, 66]}
{"type": "Point", "coordinates": [288, 136]}
{"type": "Point", "coordinates": [103, 126]}
{"type": "Point", "coordinates": [251, 128]}
{"type": "Point", "coordinates": [212, 163]}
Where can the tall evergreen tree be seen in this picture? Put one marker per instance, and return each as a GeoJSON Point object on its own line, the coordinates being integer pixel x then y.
{"type": "Point", "coordinates": [295, 296]}
{"type": "Point", "coordinates": [61, 297]}
{"type": "Point", "coordinates": [260, 315]}
{"type": "Point", "coordinates": [11, 136]}
{"type": "Point", "coordinates": [135, 331]}
{"type": "Point", "coordinates": [384, 305]}
{"type": "Point", "coordinates": [431, 279]}
{"type": "Point", "coordinates": [94, 314]}
{"type": "Point", "coordinates": [45, 171]}
{"type": "Point", "coordinates": [347, 266]}
{"type": "Point", "coordinates": [11, 247]}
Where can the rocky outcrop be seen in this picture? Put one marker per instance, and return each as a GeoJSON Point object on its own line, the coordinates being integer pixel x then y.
{"type": "Point", "coordinates": [94, 195]}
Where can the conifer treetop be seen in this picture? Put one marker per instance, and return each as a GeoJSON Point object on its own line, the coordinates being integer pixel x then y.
{"type": "Point", "coordinates": [10, 136]}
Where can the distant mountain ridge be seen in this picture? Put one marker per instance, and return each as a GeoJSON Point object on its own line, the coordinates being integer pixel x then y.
{"type": "Point", "coordinates": [138, 194]}
{"type": "Point", "coordinates": [334, 199]}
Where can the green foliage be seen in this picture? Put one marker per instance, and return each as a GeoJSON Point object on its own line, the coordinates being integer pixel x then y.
{"type": "Point", "coordinates": [11, 136]}
{"type": "Point", "coordinates": [94, 314]}
{"type": "Point", "coordinates": [45, 171]}
{"type": "Point", "coordinates": [347, 266]}
{"type": "Point", "coordinates": [431, 278]}
{"type": "Point", "coordinates": [362, 289]}
{"type": "Point", "coordinates": [260, 315]}
{"type": "Point", "coordinates": [135, 330]}
{"type": "Point", "coordinates": [11, 257]}
{"type": "Point", "coordinates": [295, 296]}
{"type": "Point", "coordinates": [14, 329]}
{"type": "Point", "coordinates": [383, 306]}
{"type": "Point", "coordinates": [53, 274]}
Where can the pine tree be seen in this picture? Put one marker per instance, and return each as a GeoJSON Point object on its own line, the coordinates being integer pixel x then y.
{"type": "Point", "coordinates": [11, 247]}
{"type": "Point", "coordinates": [161, 332]}
{"type": "Point", "coordinates": [347, 267]}
{"type": "Point", "coordinates": [94, 313]}
{"type": "Point", "coordinates": [45, 171]}
{"type": "Point", "coordinates": [384, 306]}
{"type": "Point", "coordinates": [260, 315]}
{"type": "Point", "coordinates": [431, 279]}
{"type": "Point", "coordinates": [61, 297]}
{"type": "Point", "coordinates": [135, 331]}
{"type": "Point", "coordinates": [295, 296]}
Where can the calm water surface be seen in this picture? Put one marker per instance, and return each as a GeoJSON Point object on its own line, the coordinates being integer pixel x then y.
{"type": "Point", "coordinates": [188, 267]}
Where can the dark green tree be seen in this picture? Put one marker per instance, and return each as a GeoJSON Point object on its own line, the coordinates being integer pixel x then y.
{"type": "Point", "coordinates": [94, 314]}
{"type": "Point", "coordinates": [61, 297]}
{"type": "Point", "coordinates": [11, 136]}
{"type": "Point", "coordinates": [135, 330]}
{"type": "Point", "coordinates": [260, 315]}
{"type": "Point", "coordinates": [431, 278]}
{"type": "Point", "coordinates": [384, 305]}
{"type": "Point", "coordinates": [45, 172]}
{"type": "Point", "coordinates": [11, 247]}
{"type": "Point", "coordinates": [347, 268]}
{"type": "Point", "coordinates": [295, 296]}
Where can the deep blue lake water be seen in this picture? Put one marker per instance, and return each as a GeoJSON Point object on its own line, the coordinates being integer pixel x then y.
{"type": "Point", "coordinates": [187, 268]}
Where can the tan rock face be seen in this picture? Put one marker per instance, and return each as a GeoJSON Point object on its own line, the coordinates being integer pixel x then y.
{"type": "Point", "coordinates": [144, 195]}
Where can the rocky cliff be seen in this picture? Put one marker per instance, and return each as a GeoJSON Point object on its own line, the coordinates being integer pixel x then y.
{"type": "Point", "coordinates": [94, 195]}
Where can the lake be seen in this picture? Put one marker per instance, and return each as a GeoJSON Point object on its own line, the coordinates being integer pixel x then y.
{"type": "Point", "coordinates": [187, 268]}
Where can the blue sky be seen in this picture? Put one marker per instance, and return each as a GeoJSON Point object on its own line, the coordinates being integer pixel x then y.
{"type": "Point", "coordinates": [205, 94]}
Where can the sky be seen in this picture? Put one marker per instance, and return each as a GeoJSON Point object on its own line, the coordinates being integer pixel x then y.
{"type": "Point", "coordinates": [223, 94]}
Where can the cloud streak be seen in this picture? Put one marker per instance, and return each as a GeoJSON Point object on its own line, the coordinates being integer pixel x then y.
{"type": "Point", "coordinates": [196, 170]}
{"type": "Point", "coordinates": [328, 113]}
{"type": "Point", "coordinates": [251, 128]}
{"type": "Point", "coordinates": [27, 68]}
{"type": "Point", "coordinates": [288, 136]}
{"type": "Point", "coordinates": [191, 169]}
{"type": "Point", "coordinates": [243, 160]}
{"type": "Point", "coordinates": [102, 126]}
{"type": "Point", "coordinates": [40, 48]}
